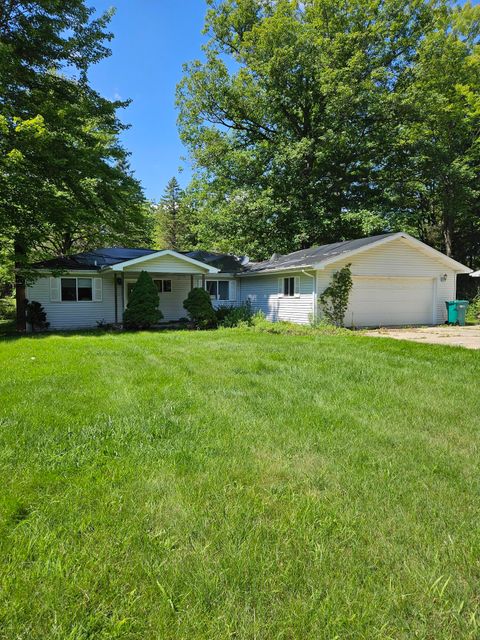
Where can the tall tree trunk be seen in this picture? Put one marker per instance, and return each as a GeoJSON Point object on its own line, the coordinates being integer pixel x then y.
{"type": "Point", "coordinates": [19, 249]}
{"type": "Point", "coordinates": [447, 231]}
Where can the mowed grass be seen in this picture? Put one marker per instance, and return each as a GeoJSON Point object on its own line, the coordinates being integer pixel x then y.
{"type": "Point", "coordinates": [233, 484]}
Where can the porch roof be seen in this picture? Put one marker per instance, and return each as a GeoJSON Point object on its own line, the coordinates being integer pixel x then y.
{"type": "Point", "coordinates": [166, 261]}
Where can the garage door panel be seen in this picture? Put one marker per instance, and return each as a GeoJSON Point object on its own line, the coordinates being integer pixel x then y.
{"type": "Point", "coordinates": [390, 301]}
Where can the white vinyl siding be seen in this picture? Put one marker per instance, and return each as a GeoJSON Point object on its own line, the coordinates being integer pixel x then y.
{"type": "Point", "coordinates": [416, 278]}
{"type": "Point", "coordinates": [264, 295]}
{"type": "Point", "coordinates": [75, 314]}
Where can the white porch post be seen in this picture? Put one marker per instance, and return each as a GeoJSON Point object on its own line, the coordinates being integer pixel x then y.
{"type": "Point", "coordinates": [203, 281]}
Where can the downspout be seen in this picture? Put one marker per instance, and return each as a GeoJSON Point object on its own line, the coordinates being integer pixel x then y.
{"type": "Point", "coordinates": [314, 295]}
{"type": "Point", "coordinates": [115, 285]}
{"type": "Point", "coordinates": [123, 295]}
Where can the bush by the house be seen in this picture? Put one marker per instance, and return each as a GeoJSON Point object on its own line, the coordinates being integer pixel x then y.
{"type": "Point", "coordinates": [334, 300]}
{"type": "Point", "coordinates": [230, 316]}
{"type": "Point", "coordinates": [7, 308]}
{"type": "Point", "coordinates": [142, 309]}
{"type": "Point", "coordinates": [199, 308]}
{"type": "Point", "coordinates": [36, 316]}
{"type": "Point", "coordinates": [262, 325]}
{"type": "Point", "coordinates": [473, 311]}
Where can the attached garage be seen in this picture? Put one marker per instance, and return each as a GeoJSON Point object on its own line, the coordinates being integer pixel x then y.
{"type": "Point", "coordinates": [391, 301]}
{"type": "Point", "coordinates": [397, 280]}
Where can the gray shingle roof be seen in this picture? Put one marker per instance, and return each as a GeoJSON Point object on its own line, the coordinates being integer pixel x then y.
{"type": "Point", "coordinates": [95, 259]}
{"type": "Point", "coordinates": [310, 257]}
{"type": "Point", "coordinates": [109, 256]}
{"type": "Point", "coordinates": [227, 263]}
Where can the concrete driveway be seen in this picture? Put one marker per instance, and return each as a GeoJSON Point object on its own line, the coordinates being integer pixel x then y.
{"type": "Point", "coordinates": [468, 337]}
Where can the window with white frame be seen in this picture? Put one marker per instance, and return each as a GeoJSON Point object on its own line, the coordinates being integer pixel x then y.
{"type": "Point", "coordinates": [77, 289]}
{"type": "Point", "coordinates": [221, 289]}
{"type": "Point", "coordinates": [289, 287]}
{"type": "Point", "coordinates": [163, 286]}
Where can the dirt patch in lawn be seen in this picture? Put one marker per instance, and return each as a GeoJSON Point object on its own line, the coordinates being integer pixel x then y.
{"type": "Point", "coordinates": [468, 337]}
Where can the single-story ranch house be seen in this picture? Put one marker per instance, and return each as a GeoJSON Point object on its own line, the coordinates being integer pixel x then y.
{"type": "Point", "coordinates": [397, 280]}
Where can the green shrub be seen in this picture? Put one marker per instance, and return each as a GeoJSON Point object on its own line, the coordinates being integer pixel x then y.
{"type": "Point", "coordinates": [229, 316]}
{"type": "Point", "coordinates": [142, 309]}
{"type": "Point", "coordinates": [199, 308]}
{"type": "Point", "coordinates": [7, 308]}
{"type": "Point", "coordinates": [473, 312]}
{"type": "Point", "coordinates": [36, 316]}
{"type": "Point", "coordinates": [262, 325]}
{"type": "Point", "coordinates": [334, 300]}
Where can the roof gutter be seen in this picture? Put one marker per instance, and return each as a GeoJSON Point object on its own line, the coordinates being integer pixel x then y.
{"type": "Point", "coordinates": [298, 267]}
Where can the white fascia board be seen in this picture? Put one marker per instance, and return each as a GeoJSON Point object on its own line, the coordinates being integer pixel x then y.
{"type": "Point", "coordinates": [475, 274]}
{"type": "Point", "coordinates": [158, 254]}
{"type": "Point", "coordinates": [278, 270]}
{"type": "Point", "coordinates": [63, 272]}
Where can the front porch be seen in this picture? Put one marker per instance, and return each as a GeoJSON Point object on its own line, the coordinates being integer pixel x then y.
{"type": "Point", "coordinates": [173, 289]}
{"type": "Point", "coordinates": [174, 276]}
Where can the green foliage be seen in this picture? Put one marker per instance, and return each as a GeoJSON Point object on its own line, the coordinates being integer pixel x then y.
{"type": "Point", "coordinates": [235, 316]}
{"type": "Point", "coordinates": [473, 311]}
{"type": "Point", "coordinates": [7, 308]}
{"type": "Point", "coordinates": [199, 308]}
{"type": "Point", "coordinates": [142, 309]}
{"type": "Point", "coordinates": [334, 299]}
{"type": "Point", "coordinates": [65, 184]}
{"type": "Point", "coordinates": [36, 316]}
{"type": "Point", "coordinates": [282, 327]}
{"type": "Point", "coordinates": [171, 218]}
{"type": "Point", "coordinates": [312, 122]}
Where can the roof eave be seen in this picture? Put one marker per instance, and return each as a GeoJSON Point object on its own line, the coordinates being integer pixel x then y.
{"type": "Point", "coordinates": [120, 266]}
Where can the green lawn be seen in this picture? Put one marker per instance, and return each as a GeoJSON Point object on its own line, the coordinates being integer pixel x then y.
{"type": "Point", "coordinates": [233, 484]}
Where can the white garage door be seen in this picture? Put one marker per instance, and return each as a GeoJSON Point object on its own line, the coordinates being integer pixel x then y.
{"type": "Point", "coordinates": [378, 302]}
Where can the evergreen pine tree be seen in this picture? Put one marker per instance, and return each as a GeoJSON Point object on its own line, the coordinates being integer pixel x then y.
{"type": "Point", "coordinates": [170, 224]}
{"type": "Point", "coordinates": [142, 309]}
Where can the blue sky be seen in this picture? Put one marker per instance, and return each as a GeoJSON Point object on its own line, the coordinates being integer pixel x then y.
{"type": "Point", "coordinates": [153, 38]}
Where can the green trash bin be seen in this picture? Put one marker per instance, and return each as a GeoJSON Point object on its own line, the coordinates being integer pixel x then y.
{"type": "Point", "coordinates": [456, 311]}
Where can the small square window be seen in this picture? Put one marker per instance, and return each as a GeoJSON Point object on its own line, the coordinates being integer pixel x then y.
{"type": "Point", "coordinates": [163, 286]}
{"type": "Point", "coordinates": [223, 290]}
{"type": "Point", "coordinates": [212, 288]}
{"type": "Point", "coordinates": [84, 289]}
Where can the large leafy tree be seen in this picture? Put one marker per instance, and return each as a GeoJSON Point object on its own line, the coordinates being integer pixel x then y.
{"type": "Point", "coordinates": [433, 170]}
{"type": "Point", "coordinates": [64, 181]}
{"type": "Point", "coordinates": [301, 119]}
